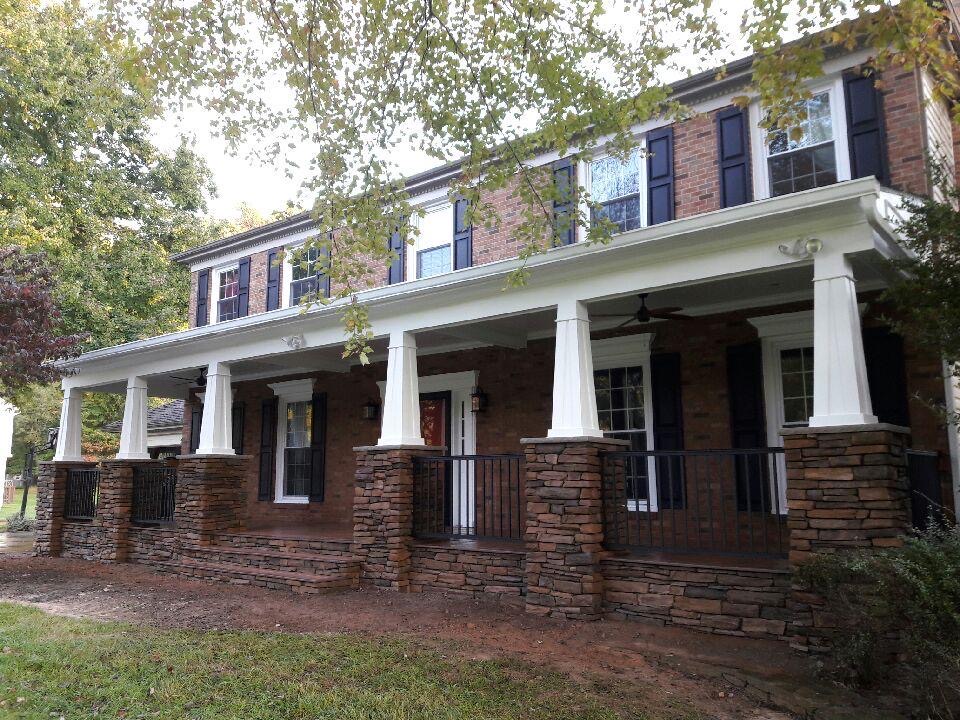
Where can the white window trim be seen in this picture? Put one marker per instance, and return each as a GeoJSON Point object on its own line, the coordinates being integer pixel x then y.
{"type": "Point", "coordinates": [419, 244]}
{"type": "Point", "coordinates": [216, 272]}
{"type": "Point", "coordinates": [629, 351]}
{"type": "Point", "coordinates": [758, 136]}
{"type": "Point", "coordinates": [286, 272]}
{"type": "Point", "coordinates": [287, 392]}
{"type": "Point", "coordinates": [585, 184]}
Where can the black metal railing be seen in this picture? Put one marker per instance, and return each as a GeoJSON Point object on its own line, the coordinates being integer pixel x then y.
{"type": "Point", "coordinates": [83, 487]}
{"type": "Point", "coordinates": [708, 501]}
{"type": "Point", "coordinates": [468, 496]}
{"type": "Point", "coordinates": [153, 495]}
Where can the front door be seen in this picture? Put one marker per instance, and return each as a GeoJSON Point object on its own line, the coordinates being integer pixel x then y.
{"type": "Point", "coordinates": [435, 426]}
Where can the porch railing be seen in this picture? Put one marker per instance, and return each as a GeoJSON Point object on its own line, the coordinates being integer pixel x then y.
{"type": "Point", "coordinates": [153, 495]}
{"type": "Point", "coordinates": [83, 487]}
{"type": "Point", "coordinates": [468, 496]}
{"type": "Point", "coordinates": [707, 501]}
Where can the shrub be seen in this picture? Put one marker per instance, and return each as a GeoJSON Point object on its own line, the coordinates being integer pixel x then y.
{"type": "Point", "coordinates": [898, 616]}
{"type": "Point", "coordinates": [19, 523]}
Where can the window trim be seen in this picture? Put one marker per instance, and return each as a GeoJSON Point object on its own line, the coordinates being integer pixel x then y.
{"type": "Point", "coordinates": [628, 351]}
{"type": "Point", "coordinates": [287, 392]}
{"type": "Point", "coordinates": [758, 137]}
{"type": "Point", "coordinates": [213, 304]}
{"type": "Point", "coordinates": [585, 181]}
{"type": "Point", "coordinates": [286, 273]}
{"type": "Point", "coordinates": [410, 261]}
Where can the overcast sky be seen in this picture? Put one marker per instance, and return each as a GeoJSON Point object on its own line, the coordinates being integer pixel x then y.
{"type": "Point", "coordinates": [240, 180]}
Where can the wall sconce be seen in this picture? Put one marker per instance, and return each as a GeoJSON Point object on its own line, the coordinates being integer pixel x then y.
{"type": "Point", "coordinates": [371, 410]}
{"type": "Point", "coordinates": [478, 400]}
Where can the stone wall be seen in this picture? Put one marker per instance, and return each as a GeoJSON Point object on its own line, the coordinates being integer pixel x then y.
{"type": "Point", "coordinates": [210, 494]}
{"type": "Point", "coordinates": [727, 600]}
{"type": "Point", "coordinates": [454, 569]}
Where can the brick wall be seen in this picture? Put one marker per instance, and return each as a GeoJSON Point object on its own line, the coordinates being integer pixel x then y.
{"type": "Point", "coordinates": [903, 119]}
{"type": "Point", "coordinates": [729, 601]}
{"type": "Point", "coordinates": [192, 317]}
{"type": "Point", "coordinates": [458, 570]}
{"type": "Point", "coordinates": [696, 169]}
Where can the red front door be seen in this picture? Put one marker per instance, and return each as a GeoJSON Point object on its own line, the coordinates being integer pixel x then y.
{"type": "Point", "coordinates": [435, 419]}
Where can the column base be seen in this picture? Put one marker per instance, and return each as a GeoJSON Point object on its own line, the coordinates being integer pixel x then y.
{"type": "Point", "coordinates": [133, 456]}
{"type": "Point", "coordinates": [842, 420]}
{"type": "Point", "coordinates": [216, 452]}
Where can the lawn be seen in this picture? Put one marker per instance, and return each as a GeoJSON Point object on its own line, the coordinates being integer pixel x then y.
{"type": "Point", "coordinates": [55, 667]}
{"type": "Point", "coordinates": [8, 509]}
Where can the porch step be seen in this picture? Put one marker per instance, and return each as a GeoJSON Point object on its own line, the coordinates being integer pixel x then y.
{"type": "Point", "coordinates": [302, 582]}
{"type": "Point", "coordinates": [270, 558]}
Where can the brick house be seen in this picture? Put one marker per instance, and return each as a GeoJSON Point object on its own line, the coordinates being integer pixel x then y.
{"type": "Point", "coordinates": [660, 427]}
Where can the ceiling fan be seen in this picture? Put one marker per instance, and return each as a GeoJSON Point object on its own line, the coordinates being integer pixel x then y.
{"type": "Point", "coordinates": [199, 381]}
{"type": "Point", "coordinates": [645, 314]}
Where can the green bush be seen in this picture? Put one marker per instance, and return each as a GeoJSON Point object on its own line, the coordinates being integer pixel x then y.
{"type": "Point", "coordinates": [898, 616]}
{"type": "Point", "coordinates": [19, 523]}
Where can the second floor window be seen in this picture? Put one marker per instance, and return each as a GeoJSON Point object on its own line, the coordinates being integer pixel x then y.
{"type": "Point", "coordinates": [432, 252]}
{"type": "Point", "coordinates": [615, 185]}
{"type": "Point", "coordinates": [228, 290]}
{"type": "Point", "coordinates": [304, 275]}
{"type": "Point", "coordinates": [805, 157]}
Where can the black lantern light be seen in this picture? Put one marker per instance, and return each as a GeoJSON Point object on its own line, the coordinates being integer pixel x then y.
{"type": "Point", "coordinates": [478, 400]}
{"type": "Point", "coordinates": [371, 410]}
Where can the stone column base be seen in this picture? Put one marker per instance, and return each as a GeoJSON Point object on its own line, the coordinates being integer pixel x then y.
{"type": "Point", "coordinates": [51, 494]}
{"type": "Point", "coordinates": [211, 495]}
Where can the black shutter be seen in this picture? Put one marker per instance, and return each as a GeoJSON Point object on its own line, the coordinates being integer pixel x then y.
{"type": "Point", "coordinates": [396, 243]}
{"type": "Point", "coordinates": [268, 448]}
{"type": "Point", "coordinates": [273, 278]}
{"type": "Point", "coordinates": [563, 216]}
{"type": "Point", "coordinates": [323, 279]}
{"type": "Point", "coordinates": [243, 288]}
{"type": "Point", "coordinates": [236, 422]}
{"type": "Point", "coordinates": [660, 176]}
{"type": "Point", "coordinates": [865, 132]}
{"type": "Point", "coordinates": [462, 235]}
{"type": "Point", "coordinates": [734, 155]}
{"type": "Point", "coordinates": [318, 447]}
{"type": "Point", "coordinates": [886, 375]}
{"type": "Point", "coordinates": [196, 418]}
{"type": "Point", "coordinates": [748, 426]}
{"type": "Point", "coordinates": [203, 297]}
{"type": "Point", "coordinates": [668, 428]}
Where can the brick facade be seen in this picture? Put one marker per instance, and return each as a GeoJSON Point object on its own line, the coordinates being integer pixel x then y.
{"type": "Point", "coordinates": [903, 123]}
{"type": "Point", "coordinates": [696, 166]}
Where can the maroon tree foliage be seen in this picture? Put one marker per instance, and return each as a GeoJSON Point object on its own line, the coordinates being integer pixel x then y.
{"type": "Point", "coordinates": [29, 321]}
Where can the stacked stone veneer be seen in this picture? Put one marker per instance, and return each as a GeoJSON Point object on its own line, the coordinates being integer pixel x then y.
{"type": "Point", "coordinates": [564, 532]}
{"type": "Point", "coordinates": [454, 569]}
{"type": "Point", "coordinates": [729, 600]}
{"type": "Point", "coordinates": [51, 494]}
{"type": "Point", "coordinates": [210, 497]}
{"type": "Point", "coordinates": [383, 513]}
{"type": "Point", "coordinates": [847, 489]}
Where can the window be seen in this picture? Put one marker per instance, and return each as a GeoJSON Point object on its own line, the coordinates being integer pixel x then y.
{"type": "Point", "coordinates": [297, 461]}
{"type": "Point", "coordinates": [796, 373]}
{"type": "Point", "coordinates": [304, 272]}
{"type": "Point", "coordinates": [615, 185]}
{"type": "Point", "coordinates": [432, 252]}
{"type": "Point", "coordinates": [808, 160]}
{"type": "Point", "coordinates": [228, 291]}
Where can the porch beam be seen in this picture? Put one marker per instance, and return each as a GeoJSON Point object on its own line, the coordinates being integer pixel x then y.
{"type": "Point", "coordinates": [500, 338]}
{"type": "Point", "coordinates": [216, 427]}
{"type": "Point", "coordinates": [401, 402]}
{"type": "Point", "coordinates": [133, 431]}
{"type": "Point", "coordinates": [841, 394]}
{"type": "Point", "coordinates": [68, 436]}
{"type": "Point", "coordinates": [574, 398]}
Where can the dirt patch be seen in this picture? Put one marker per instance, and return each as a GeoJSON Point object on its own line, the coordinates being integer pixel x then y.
{"type": "Point", "coordinates": [725, 677]}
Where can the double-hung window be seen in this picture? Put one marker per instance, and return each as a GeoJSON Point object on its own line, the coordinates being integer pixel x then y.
{"type": "Point", "coordinates": [304, 274]}
{"type": "Point", "coordinates": [228, 291]}
{"type": "Point", "coordinates": [299, 427]}
{"type": "Point", "coordinates": [615, 185]}
{"type": "Point", "coordinates": [804, 156]}
{"type": "Point", "coordinates": [432, 252]}
{"type": "Point", "coordinates": [796, 384]}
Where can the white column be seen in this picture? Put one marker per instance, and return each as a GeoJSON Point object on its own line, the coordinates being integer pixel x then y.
{"type": "Point", "coordinates": [68, 436]}
{"type": "Point", "coordinates": [841, 395]}
{"type": "Point", "coordinates": [216, 425]}
{"type": "Point", "coordinates": [401, 401]}
{"type": "Point", "coordinates": [133, 431]}
{"type": "Point", "coordinates": [574, 397]}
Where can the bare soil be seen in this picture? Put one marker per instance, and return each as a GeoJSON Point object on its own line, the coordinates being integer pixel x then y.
{"type": "Point", "coordinates": [724, 677]}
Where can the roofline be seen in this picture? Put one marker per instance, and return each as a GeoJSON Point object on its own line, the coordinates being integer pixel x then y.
{"type": "Point", "coordinates": [695, 88]}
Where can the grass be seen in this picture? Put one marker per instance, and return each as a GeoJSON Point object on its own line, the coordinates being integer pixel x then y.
{"type": "Point", "coordinates": [55, 667]}
{"type": "Point", "coordinates": [12, 507]}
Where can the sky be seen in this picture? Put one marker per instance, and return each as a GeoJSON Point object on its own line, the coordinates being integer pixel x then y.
{"type": "Point", "coordinates": [241, 180]}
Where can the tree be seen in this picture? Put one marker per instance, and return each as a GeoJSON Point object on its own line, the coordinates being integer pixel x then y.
{"type": "Point", "coordinates": [493, 83]}
{"type": "Point", "coordinates": [29, 316]}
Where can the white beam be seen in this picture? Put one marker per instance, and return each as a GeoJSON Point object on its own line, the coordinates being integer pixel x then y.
{"type": "Point", "coordinates": [68, 437]}
{"type": "Point", "coordinates": [574, 397]}
{"type": "Point", "coordinates": [841, 394]}
{"type": "Point", "coordinates": [501, 338]}
{"type": "Point", "coordinates": [216, 426]}
{"type": "Point", "coordinates": [133, 431]}
{"type": "Point", "coordinates": [401, 403]}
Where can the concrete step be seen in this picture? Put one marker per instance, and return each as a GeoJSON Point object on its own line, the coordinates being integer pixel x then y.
{"type": "Point", "coordinates": [302, 582]}
{"type": "Point", "coordinates": [270, 558]}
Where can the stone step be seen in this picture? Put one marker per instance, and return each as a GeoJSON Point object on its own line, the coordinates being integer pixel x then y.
{"type": "Point", "coordinates": [301, 582]}
{"type": "Point", "coordinates": [274, 559]}
{"type": "Point", "coordinates": [251, 539]}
